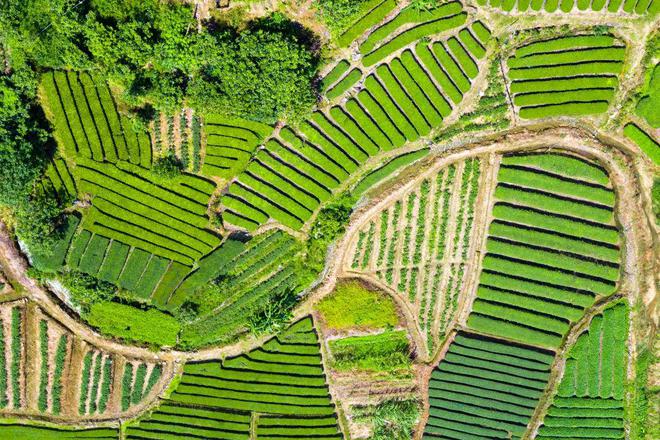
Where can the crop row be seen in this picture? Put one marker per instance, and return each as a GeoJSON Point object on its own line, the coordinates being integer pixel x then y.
{"type": "Point", "coordinates": [400, 102]}
{"type": "Point", "coordinates": [87, 121]}
{"type": "Point", "coordinates": [283, 381]}
{"type": "Point", "coordinates": [377, 11]}
{"type": "Point", "coordinates": [167, 222]}
{"type": "Point", "coordinates": [645, 142]}
{"type": "Point", "coordinates": [551, 249]}
{"type": "Point", "coordinates": [130, 268]}
{"type": "Point", "coordinates": [237, 284]}
{"type": "Point", "coordinates": [596, 365]}
{"type": "Point", "coordinates": [13, 430]}
{"type": "Point", "coordinates": [573, 75]}
{"type": "Point", "coordinates": [59, 181]}
{"type": "Point", "coordinates": [229, 145]}
{"type": "Point", "coordinates": [11, 364]}
{"type": "Point", "coordinates": [95, 384]}
{"type": "Point", "coordinates": [486, 387]}
{"type": "Point", "coordinates": [638, 7]}
{"type": "Point", "coordinates": [138, 381]}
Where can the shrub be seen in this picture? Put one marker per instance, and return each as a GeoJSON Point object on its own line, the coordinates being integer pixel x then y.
{"type": "Point", "coordinates": [352, 305]}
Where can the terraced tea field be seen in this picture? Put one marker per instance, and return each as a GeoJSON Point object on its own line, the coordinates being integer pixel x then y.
{"type": "Point", "coordinates": [552, 249]}
{"type": "Point", "coordinates": [277, 390]}
{"type": "Point", "coordinates": [364, 219]}
{"type": "Point", "coordinates": [419, 245]}
{"type": "Point", "coordinates": [572, 76]}
{"type": "Point", "coordinates": [46, 369]}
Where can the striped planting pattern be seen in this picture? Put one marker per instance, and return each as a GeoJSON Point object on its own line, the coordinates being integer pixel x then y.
{"type": "Point", "coordinates": [87, 122]}
{"type": "Point", "coordinates": [399, 102]}
{"type": "Point", "coordinates": [571, 76]}
{"type": "Point", "coordinates": [230, 144]}
{"type": "Point", "coordinates": [636, 7]}
{"type": "Point", "coordinates": [485, 388]}
{"type": "Point", "coordinates": [45, 368]}
{"type": "Point", "coordinates": [552, 249]}
{"type": "Point", "coordinates": [247, 277]}
{"type": "Point", "coordinates": [590, 396]}
{"type": "Point", "coordinates": [278, 389]}
{"type": "Point", "coordinates": [169, 221]}
{"type": "Point", "coordinates": [418, 245]}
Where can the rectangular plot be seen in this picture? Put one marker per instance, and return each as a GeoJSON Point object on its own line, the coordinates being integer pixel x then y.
{"type": "Point", "coordinates": [555, 72]}
{"type": "Point", "coordinates": [576, 83]}
{"type": "Point", "coordinates": [78, 246]}
{"type": "Point", "coordinates": [114, 262]}
{"type": "Point", "coordinates": [569, 313]}
{"type": "Point", "coordinates": [569, 57]}
{"type": "Point", "coordinates": [564, 43]}
{"type": "Point", "coordinates": [474, 47]}
{"type": "Point", "coordinates": [135, 265]}
{"type": "Point", "coordinates": [151, 276]}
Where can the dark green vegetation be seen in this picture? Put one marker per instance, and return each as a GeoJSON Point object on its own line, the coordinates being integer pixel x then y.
{"type": "Point", "coordinates": [283, 381]}
{"type": "Point", "coordinates": [574, 75]}
{"type": "Point", "coordinates": [486, 388]}
{"type": "Point", "coordinates": [591, 393]}
{"type": "Point", "coordinates": [391, 419]}
{"type": "Point", "coordinates": [553, 248]}
{"type": "Point", "coordinates": [645, 141]}
{"type": "Point", "coordinates": [352, 305]}
{"type": "Point", "coordinates": [386, 352]}
{"type": "Point", "coordinates": [648, 104]}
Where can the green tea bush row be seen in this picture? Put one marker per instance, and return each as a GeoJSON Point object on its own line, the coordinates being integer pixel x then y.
{"type": "Point", "coordinates": [126, 387]}
{"type": "Point", "coordinates": [337, 72]}
{"type": "Point", "coordinates": [568, 166]}
{"type": "Point", "coordinates": [452, 17]}
{"type": "Point", "coordinates": [284, 378]}
{"type": "Point", "coordinates": [645, 142]}
{"type": "Point", "coordinates": [380, 111]}
{"type": "Point", "coordinates": [374, 16]}
{"type": "Point", "coordinates": [43, 372]}
{"type": "Point", "coordinates": [431, 116]}
{"type": "Point", "coordinates": [391, 250]}
{"type": "Point", "coordinates": [398, 95]}
{"type": "Point", "coordinates": [84, 382]}
{"type": "Point", "coordinates": [545, 79]}
{"type": "Point", "coordinates": [482, 377]}
{"type": "Point", "coordinates": [344, 84]}
{"type": "Point", "coordinates": [4, 400]}
{"type": "Point", "coordinates": [425, 83]}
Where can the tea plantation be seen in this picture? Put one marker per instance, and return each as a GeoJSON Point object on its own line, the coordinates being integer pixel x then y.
{"type": "Point", "coordinates": [334, 219]}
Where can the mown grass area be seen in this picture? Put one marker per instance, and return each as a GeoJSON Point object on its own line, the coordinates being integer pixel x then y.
{"type": "Point", "coordinates": [352, 305]}
{"type": "Point", "coordinates": [135, 325]}
{"type": "Point", "coordinates": [387, 352]}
